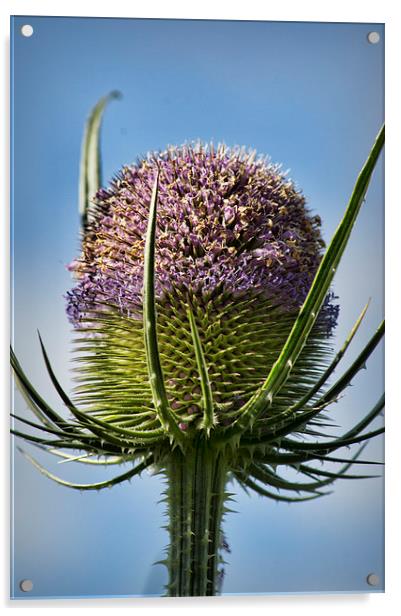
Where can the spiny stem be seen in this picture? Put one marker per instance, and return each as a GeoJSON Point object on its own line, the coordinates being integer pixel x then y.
{"type": "Point", "coordinates": [196, 496]}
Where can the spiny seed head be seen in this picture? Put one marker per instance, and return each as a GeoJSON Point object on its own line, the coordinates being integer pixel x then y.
{"type": "Point", "coordinates": [234, 241]}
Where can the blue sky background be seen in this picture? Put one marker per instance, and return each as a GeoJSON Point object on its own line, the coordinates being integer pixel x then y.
{"type": "Point", "coordinates": [310, 96]}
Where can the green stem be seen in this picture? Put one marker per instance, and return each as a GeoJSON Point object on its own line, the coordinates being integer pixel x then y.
{"type": "Point", "coordinates": [196, 495]}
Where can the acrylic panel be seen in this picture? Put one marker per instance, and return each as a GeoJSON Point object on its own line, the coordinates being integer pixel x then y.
{"type": "Point", "coordinates": [197, 237]}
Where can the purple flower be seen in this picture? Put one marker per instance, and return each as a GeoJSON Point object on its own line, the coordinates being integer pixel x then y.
{"type": "Point", "coordinates": [229, 226]}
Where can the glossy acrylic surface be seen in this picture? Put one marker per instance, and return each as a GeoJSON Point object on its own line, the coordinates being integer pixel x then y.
{"type": "Point", "coordinates": [308, 95]}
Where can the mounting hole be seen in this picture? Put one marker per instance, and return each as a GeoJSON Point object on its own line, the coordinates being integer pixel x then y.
{"type": "Point", "coordinates": [373, 38]}
{"type": "Point", "coordinates": [373, 579]}
{"type": "Point", "coordinates": [26, 585]}
{"type": "Point", "coordinates": [27, 30]}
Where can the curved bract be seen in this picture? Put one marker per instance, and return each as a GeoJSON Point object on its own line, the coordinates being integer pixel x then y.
{"type": "Point", "coordinates": [203, 314]}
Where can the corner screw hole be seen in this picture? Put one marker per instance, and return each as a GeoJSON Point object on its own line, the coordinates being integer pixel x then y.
{"type": "Point", "coordinates": [27, 30]}
{"type": "Point", "coordinates": [26, 585]}
{"type": "Point", "coordinates": [373, 38]}
{"type": "Point", "coordinates": [373, 579]}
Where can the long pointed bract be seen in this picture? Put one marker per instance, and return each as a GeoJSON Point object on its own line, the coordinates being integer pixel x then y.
{"type": "Point", "coordinates": [89, 486]}
{"type": "Point", "coordinates": [90, 170]}
{"type": "Point", "coordinates": [333, 365]}
{"type": "Point", "coordinates": [207, 394]}
{"type": "Point", "coordinates": [155, 371]}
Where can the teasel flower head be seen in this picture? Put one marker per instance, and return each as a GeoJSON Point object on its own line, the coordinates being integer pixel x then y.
{"type": "Point", "coordinates": [235, 244]}
{"type": "Point", "coordinates": [229, 227]}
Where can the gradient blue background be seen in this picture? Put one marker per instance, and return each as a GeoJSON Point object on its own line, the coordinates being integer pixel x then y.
{"type": "Point", "coordinates": [310, 96]}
